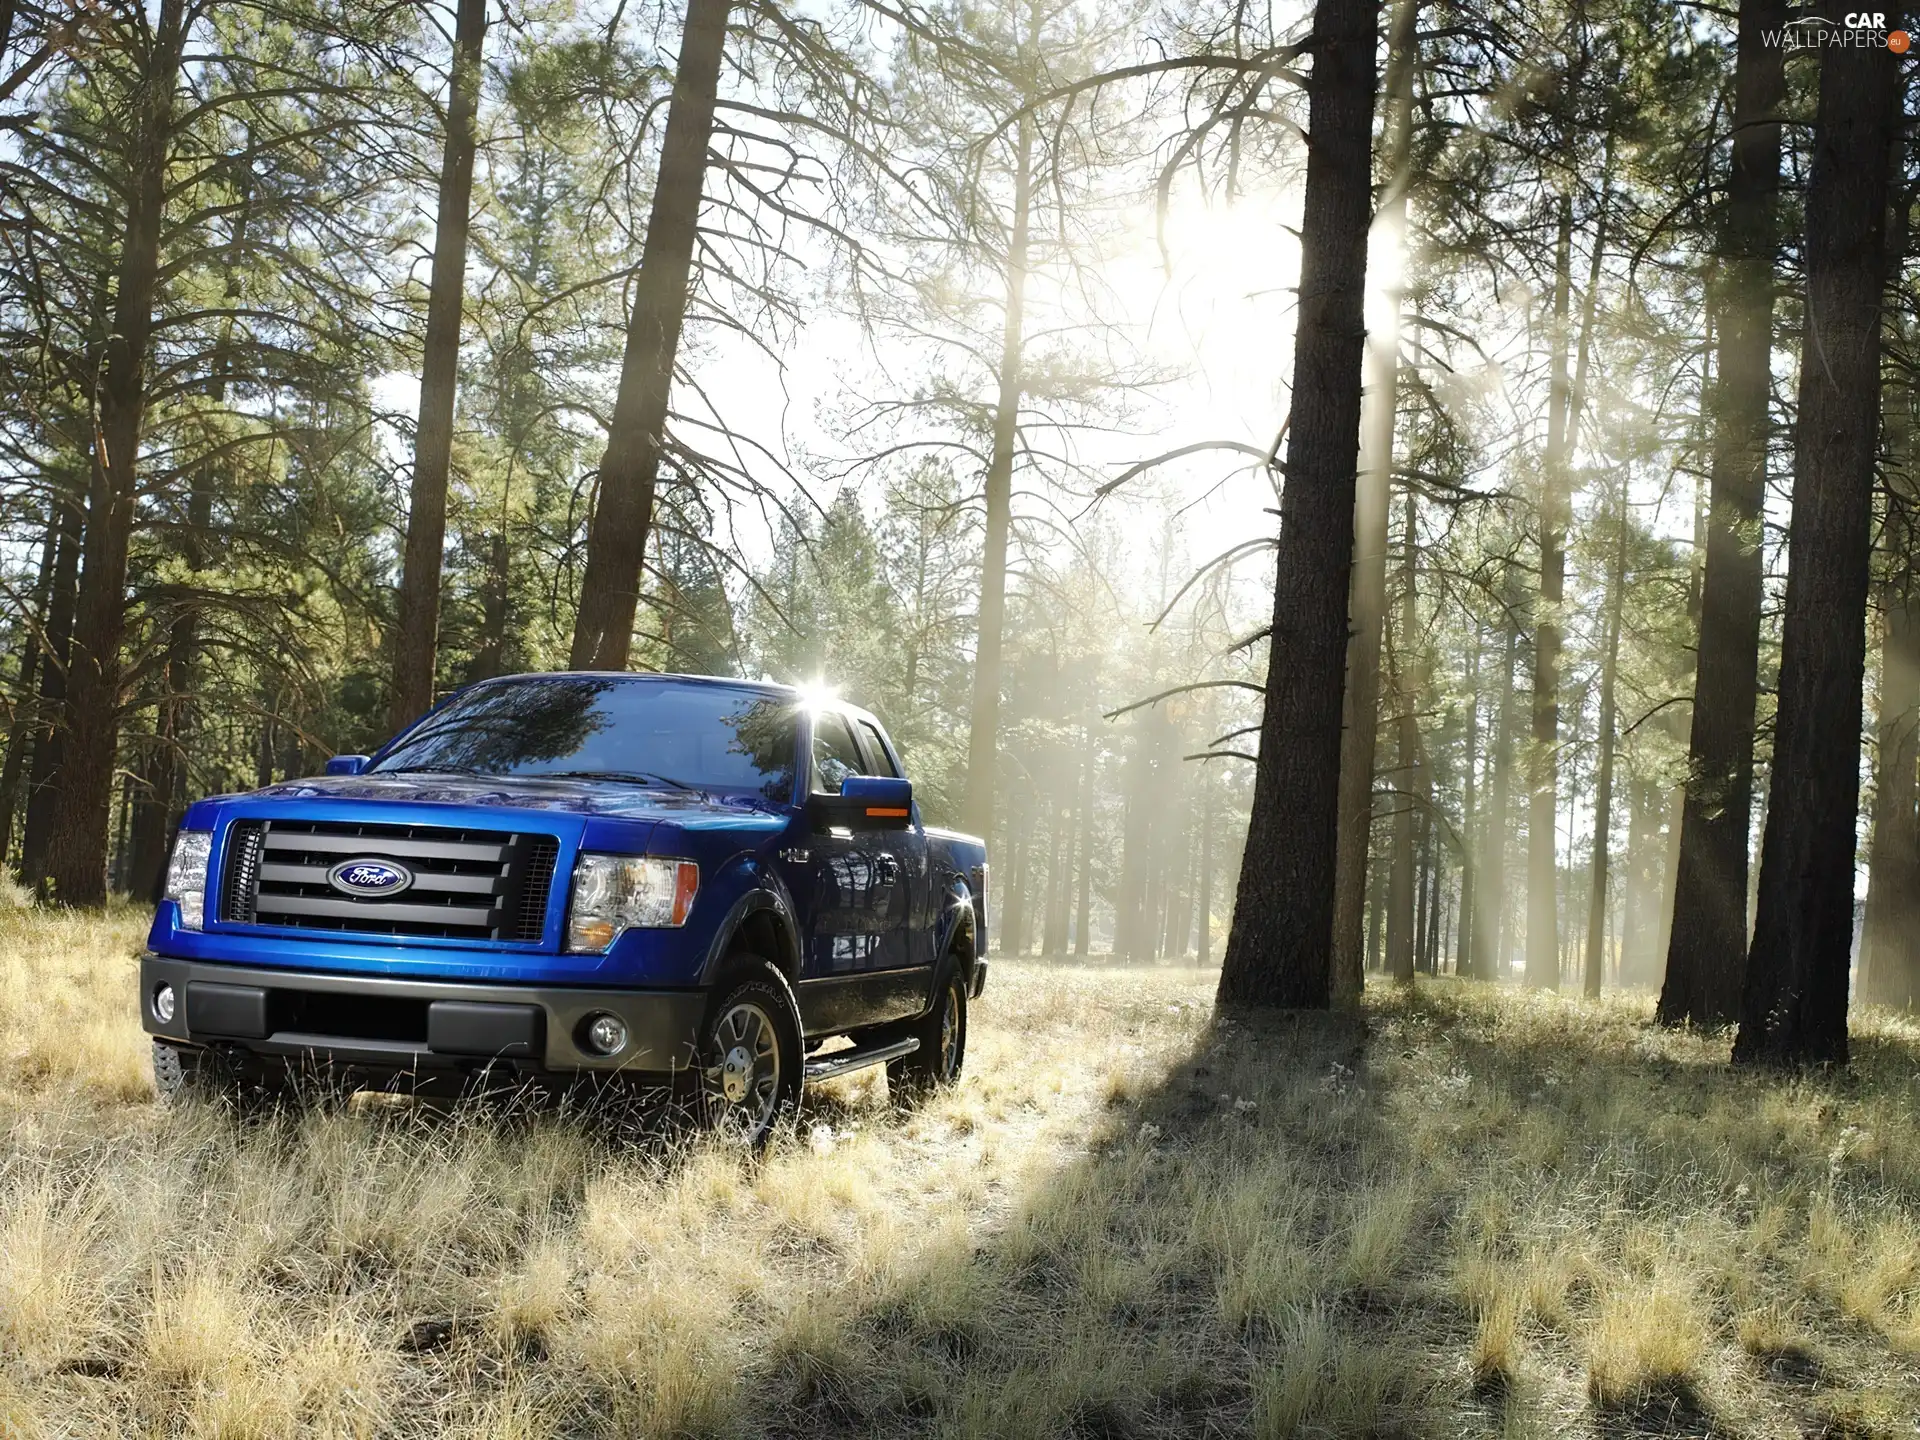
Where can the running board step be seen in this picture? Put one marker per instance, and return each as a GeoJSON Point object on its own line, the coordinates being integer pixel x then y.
{"type": "Point", "coordinates": [842, 1062]}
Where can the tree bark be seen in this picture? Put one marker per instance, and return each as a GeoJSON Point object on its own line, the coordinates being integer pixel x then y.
{"type": "Point", "coordinates": [983, 741]}
{"type": "Point", "coordinates": [1641, 892]}
{"type": "Point", "coordinates": [77, 851]}
{"type": "Point", "coordinates": [1013, 911]}
{"type": "Point", "coordinates": [1053, 939]}
{"type": "Point", "coordinates": [490, 658]}
{"type": "Point", "coordinates": [1377, 916]}
{"type": "Point", "coordinates": [1203, 939]}
{"type": "Point", "coordinates": [50, 733]}
{"type": "Point", "coordinates": [417, 632]}
{"type": "Point", "coordinates": [1403, 890]}
{"type": "Point", "coordinates": [1083, 901]}
{"type": "Point", "coordinates": [1707, 945]}
{"type": "Point", "coordinates": [1603, 780]}
{"type": "Point", "coordinates": [1279, 951]}
{"type": "Point", "coordinates": [1543, 933]}
{"type": "Point", "coordinates": [1379, 408]}
{"type": "Point", "coordinates": [1490, 896]}
{"type": "Point", "coordinates": [1469, 816]}
{"type": "Point", "coordinates": [1794, 1009]}
{"type": "Point", "coordinates": [25, 708]}
{"type": "Point", "coordinates": [1890, 943]}
{"type": "Point", "coordinates": [636, 437]}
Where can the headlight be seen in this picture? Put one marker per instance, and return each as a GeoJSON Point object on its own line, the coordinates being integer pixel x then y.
{"type": "Point", "coordinates": [612, 893]}
{"type": "Point", "coordinates": [187, 876]}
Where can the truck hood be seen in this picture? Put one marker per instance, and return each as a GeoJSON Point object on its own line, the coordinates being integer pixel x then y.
{"type": "Point", "coordinates": [572, 797]}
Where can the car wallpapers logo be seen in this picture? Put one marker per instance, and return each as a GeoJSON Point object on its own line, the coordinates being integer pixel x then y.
{"type": "Point", "coordinates": [1858, 29]}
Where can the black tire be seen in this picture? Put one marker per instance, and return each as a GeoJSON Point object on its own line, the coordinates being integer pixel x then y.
{"type": "Point", "coordinates": [177, 1073]}
{"type": "Point", "coordinates": [752, 1061]}
{"type": "Point", "coordinates": [188, 1075]}
{"type": "Point", "coordinates": [942, 1033]}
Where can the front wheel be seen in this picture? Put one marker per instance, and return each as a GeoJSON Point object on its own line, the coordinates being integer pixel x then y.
{"type": "Point", "coordinates": [751, 1056]}
{"type": "Point", "coordinates": [186, 1074]}
{"type": "Point", "coordinates": [942, 1034]}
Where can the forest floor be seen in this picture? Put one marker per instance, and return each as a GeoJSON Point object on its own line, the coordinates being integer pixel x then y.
{"type": "Point", "coordinates": [1475, 1212]}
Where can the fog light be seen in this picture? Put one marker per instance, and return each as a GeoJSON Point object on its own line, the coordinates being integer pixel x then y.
{"type": "Point", "coordinates": [163, 1004]}
{"type": "Point", "coordinates": [607, 1034]}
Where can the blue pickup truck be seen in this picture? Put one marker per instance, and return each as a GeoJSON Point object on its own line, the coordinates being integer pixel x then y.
{"type": "Point", "coordinates": [574, 878]}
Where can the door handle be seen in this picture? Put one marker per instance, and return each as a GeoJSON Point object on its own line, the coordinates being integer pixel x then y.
{"type": "Point", "coordinates": [889, 869]}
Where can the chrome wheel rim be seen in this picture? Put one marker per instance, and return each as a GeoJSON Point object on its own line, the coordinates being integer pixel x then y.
{"type": "Point", "coordinates": [743, 1076]}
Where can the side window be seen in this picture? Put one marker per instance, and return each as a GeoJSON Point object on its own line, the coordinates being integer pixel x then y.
{"type": "Point", "coordinates": [835, 756]}
{"type": "Point", "coordinates": [877, 751]}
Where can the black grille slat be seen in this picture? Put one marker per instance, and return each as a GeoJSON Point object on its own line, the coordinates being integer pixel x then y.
{"type": "Point", "coordinates": [467, 884]}
{"type": "Point", "coordinates": [536, 887]}
{"type": "Point", "coordinates": [242, 872]}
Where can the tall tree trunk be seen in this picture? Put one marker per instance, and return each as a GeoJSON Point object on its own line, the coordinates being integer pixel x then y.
{"type": "Point", "coordinates": [1379, 408]}
{"type": "Point", "coordinates": [636, 436]}
{"type": "Point", "coordinates": [77, 849]}
{"type": "Point", "coordinates": [1890, 943]}
{"type": "Point", "coordinates": [1403, 888]}
{"type": "Point", "coordinates": [983, 741]}
{"type": "Point", "coordinates": [1642, 891]}
{"type": "Point", "coordinates": [25, 707]}
{"type": "Point", "coordinates": [1083, 902]}
{"type": "Point", "coordinates": [490, 659]}
{"type": "Point", "coordinates": [419, 610]}
{"type": "Point", "coordinates": [1603, 779]}
{"type": "Point", "coordinates": [1469, 816]}
{"type": "Point", "coordinates": [157, 811]}
{"type": "Point", "coordinates": [50, 732]}
{"type": "Point", "coordinates": [1053, 938]}
{"type": "Point", "coordinates": [1428, 905]}
{"type": "Point", "coordinates": [1377, 916]}
{"type": "Point", "coordinates": [1707, 946]}
{"type": "Point", "coordinates": [1794, 1009]}
{"type": "Point", "coordinates": [1013, 914]}
{"type": "Point", "coordinates": [1279, 951]}
{"type": "Point", "coordinates": [1136, 839]}
{"type": "Point", "coordinates": [1543, 931]}
{"type": "Point", "coordinates": [1490, 894]}
{"type": "Point", "coordinates": [153, 805]}
{"type": "Point", "coordinates": [1203, 938]}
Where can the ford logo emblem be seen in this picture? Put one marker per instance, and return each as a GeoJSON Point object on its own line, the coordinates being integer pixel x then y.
{"type": "Point", "coordinates": [369, 879]}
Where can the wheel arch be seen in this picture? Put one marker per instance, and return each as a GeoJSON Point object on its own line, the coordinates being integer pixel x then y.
{"type": "Point", "coordinates": [761, 922]}
{"type": "Point", "coordinates": [957, 938]}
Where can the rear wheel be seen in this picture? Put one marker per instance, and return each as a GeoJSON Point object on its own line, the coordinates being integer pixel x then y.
{"type": "Point", "coordinates": [751, 1055]}
{"type": "Point", "coordinates": [942, 1033]}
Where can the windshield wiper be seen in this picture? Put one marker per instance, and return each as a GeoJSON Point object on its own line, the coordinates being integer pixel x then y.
{"type": "Point", "coordinates": [625, 777]}
{"type": "Point", "coordinates": [427, 770]}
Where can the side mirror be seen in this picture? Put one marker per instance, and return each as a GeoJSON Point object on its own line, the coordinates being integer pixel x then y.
{"type": "Point", "coordinates": [347, 764]}
{"type": "Point", "coordinates": [867, 802]}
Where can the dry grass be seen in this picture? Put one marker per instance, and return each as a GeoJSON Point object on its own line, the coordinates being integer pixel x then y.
{"type": "Point", "coordinates": [1480, 1213]}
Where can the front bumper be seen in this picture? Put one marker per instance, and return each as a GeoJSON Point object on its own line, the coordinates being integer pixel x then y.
{"type": "Point", "coordinates": [389, 1025]}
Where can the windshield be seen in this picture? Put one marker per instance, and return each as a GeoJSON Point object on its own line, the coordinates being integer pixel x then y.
{"type": "Point", "coordinates": [701, 737]}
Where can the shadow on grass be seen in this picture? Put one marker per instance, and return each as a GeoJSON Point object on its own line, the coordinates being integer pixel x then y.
{"type": "Point", "coordinates": [1224, 1255]}
{"type": "Point", "coordinates": [1292, 1234]}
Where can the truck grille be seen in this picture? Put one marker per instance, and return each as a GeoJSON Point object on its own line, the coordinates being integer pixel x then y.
{"type": "Point", "coordinates": [467, 884]}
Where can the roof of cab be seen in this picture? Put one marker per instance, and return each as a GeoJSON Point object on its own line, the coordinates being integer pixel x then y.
{"type": "Point", "coordinates": [730, 682]}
